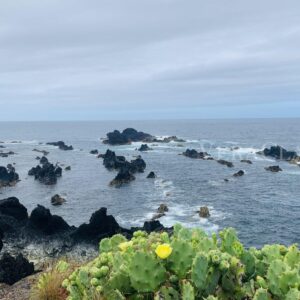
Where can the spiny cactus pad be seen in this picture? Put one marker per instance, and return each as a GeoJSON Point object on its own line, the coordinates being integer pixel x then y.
{"type": "Point", "coordinates": [187, 265]}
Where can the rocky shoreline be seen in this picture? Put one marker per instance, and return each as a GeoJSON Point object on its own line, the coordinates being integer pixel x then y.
{"type": "Point", "coordinates": [41, 236]}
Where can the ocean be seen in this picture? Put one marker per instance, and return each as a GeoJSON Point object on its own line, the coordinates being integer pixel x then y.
{"type": "Point", "coordinates": [264, 207]}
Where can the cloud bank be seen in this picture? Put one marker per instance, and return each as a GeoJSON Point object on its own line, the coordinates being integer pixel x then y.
{"type": "Point", "coordinates": [135, 59]}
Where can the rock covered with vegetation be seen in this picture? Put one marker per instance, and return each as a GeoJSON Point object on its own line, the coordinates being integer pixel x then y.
{"type": "Point", "coordinates": [187, 265]}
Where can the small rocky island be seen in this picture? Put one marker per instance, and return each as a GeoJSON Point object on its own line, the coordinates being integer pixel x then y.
{"type": "Point", "coordinates": [8, 176]}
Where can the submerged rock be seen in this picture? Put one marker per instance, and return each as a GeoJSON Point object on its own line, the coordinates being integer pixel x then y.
{"type": "Point", "coordinates": [95, 151]}
{"type": "Point", "coordinates": [8, 176]}
{"type": "Point", "coordinates": [57, 200]}
{"type": "Point", "coordinates": [151, 175]}
{"type": "Point", "coordinates": [226, 163]}
{"type": "Point", "coordinates": [61, 145]}
{"type": "Point", "coordinates": [246, 161]}
{"type": "Point", "coordinates": [279, 152]}
{"type": "Point", "coordinates": [204, 212]}
{"type": "Point", "coordinates": [144, 147]}
{"type": "Point", "coordinates": [192, 153]}
{"type": "Point", "coordinates": [127, 136]}
{"type": "Point", "coordinates": [45, 153]}
{"type": "Point", "coordinates": [6, 154]}
{"type": "Point", "coordinates": [239, 173]}
{"type": "Point", "coordinates": [273, 169]}
{"type": "Point", "coordinates": [68, 168]}
{"type": "Point", "coordinates": [13, 269]}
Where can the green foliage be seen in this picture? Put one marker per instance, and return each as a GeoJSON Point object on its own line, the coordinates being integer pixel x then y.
{"type": "Point", "coordinates": [188, 265]}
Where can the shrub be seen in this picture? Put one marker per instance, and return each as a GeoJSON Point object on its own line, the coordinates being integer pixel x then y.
{"type": "Point", "coordinates": [187, 265]}
{"type": "Point", "coordinates": [49, 285]}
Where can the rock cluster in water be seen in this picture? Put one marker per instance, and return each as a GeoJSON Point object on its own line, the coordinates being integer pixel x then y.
{"type": "Point", "coordinates": [273, 169]}
{"type": "Point", "coordinates": [61, 145]}
{"type": "Point", "coordinates": [192, 153]}
{"type": "Point", "coordinates": [127, 136]}
{"type": "Point", "coordinates": [46, 173]}
{"type": "Point", "coordinates": [144, 147]}
{"type": "Point", "coordinates": [126, 169]}
{"type": "Point", "coordinates": [279, 152]}
{"type": "Point", "coordinates": [6, 154]}
{"type": "Point", "coordinates": [8, 176]}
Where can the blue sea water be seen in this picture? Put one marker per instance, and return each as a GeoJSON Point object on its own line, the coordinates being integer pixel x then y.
{"type": "Point", "coordinates": [264, 207]}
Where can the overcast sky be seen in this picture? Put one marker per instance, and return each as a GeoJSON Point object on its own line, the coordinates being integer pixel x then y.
{"type": "Point", "coordinates": [137, 59]}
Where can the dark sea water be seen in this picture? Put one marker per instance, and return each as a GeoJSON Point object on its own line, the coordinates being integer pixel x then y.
{"type": "Point", "coordinates": [264, 207]}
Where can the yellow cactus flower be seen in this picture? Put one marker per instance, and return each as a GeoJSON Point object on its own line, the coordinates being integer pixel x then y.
{"type": "Point", "coordinates": [125, 245]}
{"type": "Point", "coordinates": [163, 251]}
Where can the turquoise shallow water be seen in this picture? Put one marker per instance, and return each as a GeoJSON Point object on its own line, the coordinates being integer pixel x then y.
{"type": "Point", "coordinates": [263, 207]}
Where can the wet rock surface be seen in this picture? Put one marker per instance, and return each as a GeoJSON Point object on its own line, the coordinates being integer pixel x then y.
{"type": "Point", "coordinates": [8, 176]}
{"type": "Point", "coordinates": [127, 136]}
{"type": "Point", "coordinates": [192, 153]}
{"type": "Point", "coordinates": [144, 147]}
{"type": "Point", "coordinates": [57, 200]}
{"type": "Point", "coordinates": [246, 161]}
{"type": "Point", "coordinates": [279, 152]}
{"type": "Point", "coordinates": [151, 175]}
{"type": "Point", "coordinates": [61, 145]}
{"type": "Point", "coordinates": [239, 173]}
{"type": "Point", "coordinates": [204, 212]}
{"type": "Point", "coordinates": [47, 173]}
{"type": "Point", "coordinates": [225, 163]}
{"type": "Point", "coordinates": [274, 169]}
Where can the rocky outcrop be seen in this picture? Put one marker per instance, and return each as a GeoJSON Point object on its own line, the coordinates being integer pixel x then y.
{"type": "Point", "coordinates": [44, 160]}
{"type": "Point", "coordinates": [124, 176]}
{"type": "Point", "coordinates": [273, 169]}
{"type": "Point", "coordinates": [225, 163]}
{"type": "Point", "coordinates": [100, 226]}
{"type": "Point", "coordinates": [279, 152]}
{"type": "Point", "coordinates": [68, 168]}
{"type": "Point", "coordinates": [204, 212]}
{"type": "Point", "coordinates": [162, 208]}
{"type": "Point", "coordinates": [57, 200]}
{"type": "Point", "coordinates": [13, 208]}
{"type": "Point", "coordinates": [192, 153]}
{"type": "Point", "coordinates": [41, 219]}
{"type": "Point", "coordinates": [95, 151]}
{"type": "Point", "coordinates": [239, 173]}
{"type": "Point", "coordinates": [246, 161]}
{"type": "Point", "coordinates": [8, 176]}
{"type": "Point", "coordinates": [61, 145]}
{"type": "Point", "coordinates": [13, 269]}
{"type": "Point", "coordinates": [127, 136]}
{"type": "Point", "coordinates": [144, 147]}
{"type": "Point", "coordinates": [47, 173]}
{"type": "Point", "coordinates": [151, 175]}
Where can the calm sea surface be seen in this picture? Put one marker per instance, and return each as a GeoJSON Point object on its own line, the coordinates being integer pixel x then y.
{"type": "Point", "coordinates": [264, 207]}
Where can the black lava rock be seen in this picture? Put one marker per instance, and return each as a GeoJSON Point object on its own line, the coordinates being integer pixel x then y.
{"type": "Point", "coordinates": [225, 163]}
{"type": "Point", "coordinates": [61, 145]}
{"type": "Point", "coordinates": [192, 153]}
{"type": "Point", "coordinates": [8, 176]}
{"type": "Point", "coordinates": [12, 207]}
{"type": "Point", "coordinates": [47, 173]}
{"type": "Point", "coordinates": [239, 173]}
{"type": "Point", "coordinates": [100, 226]}
{"type": "Point", "coordinates": [13, 269]}
{"type": "Point", "coordinates": [127, 136]}
{"type": "Point", "coordinates": [279, 152]}
{"type": "Point", "coordinates": [144, 147]}
{"type": "Point", "coordinates": [273, 169]}
{"type": "Point", "coordinates": [151, 175]}
{"type": "Point", "coordinates": [41, 219]}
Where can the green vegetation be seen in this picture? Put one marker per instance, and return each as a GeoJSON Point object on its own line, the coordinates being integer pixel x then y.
{"type": "Point", "coordinates": [187, 265]}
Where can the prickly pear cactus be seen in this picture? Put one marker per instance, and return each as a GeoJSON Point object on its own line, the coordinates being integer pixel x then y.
{"type": "Point", "coordinates": [145, 272]}
{"type": "Point", "coordinates": [187, 265]}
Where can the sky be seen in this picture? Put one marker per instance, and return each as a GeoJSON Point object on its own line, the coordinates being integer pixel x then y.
{"type": "Point", "coordinates": [149, 59]}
